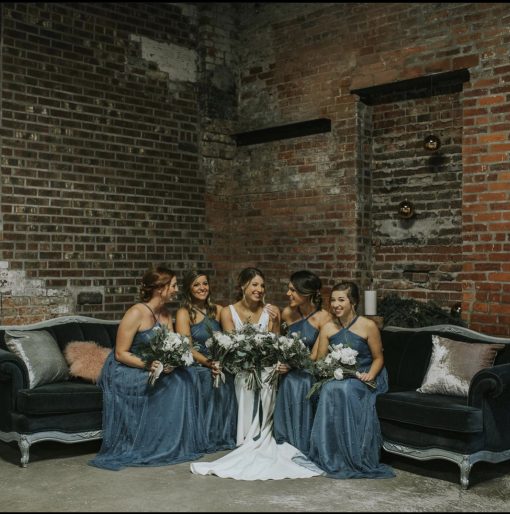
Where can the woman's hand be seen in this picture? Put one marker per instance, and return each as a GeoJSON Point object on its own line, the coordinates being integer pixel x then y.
{"type": "Point", "coordinates": [272, 311]}
{"type": "Point", "coordinates": [168, 369]}
{"type": "Point", "coordinates": [282, 368]}
{"type": "Point", "coordinates": [215, 368]}
{"type": "Point", "coordinates": [366, 377]}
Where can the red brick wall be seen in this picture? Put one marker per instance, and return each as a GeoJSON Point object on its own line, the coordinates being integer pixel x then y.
{"type": "Point", "coordinates": [111, 161]}
{"type": "Point", "coordinates": [328, 202]}
{"type": "Point", "coordinates": [100, 162]}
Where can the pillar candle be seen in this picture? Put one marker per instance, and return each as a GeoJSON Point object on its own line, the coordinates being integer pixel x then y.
{"type": "Point", "coordinates": [370, 303]}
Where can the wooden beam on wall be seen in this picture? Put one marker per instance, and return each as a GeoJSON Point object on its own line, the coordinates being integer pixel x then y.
{"type": "Point", "coordinates": [299, 129]}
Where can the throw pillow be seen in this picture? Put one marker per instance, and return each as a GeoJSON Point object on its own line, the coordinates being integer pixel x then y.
{"type": "Point", "coordinates": [454, 363]}
{"type": "Point", "coordinates": [86, 359]}
{"type": "Point", "coordinates": [41, 355]}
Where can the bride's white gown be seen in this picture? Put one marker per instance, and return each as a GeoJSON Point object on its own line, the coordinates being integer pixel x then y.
{"type": "Point", "coordinates": [258, 457]}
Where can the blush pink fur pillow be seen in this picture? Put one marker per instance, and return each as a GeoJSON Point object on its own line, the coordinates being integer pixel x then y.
{"type": "Point", "coordinates": [86, 359]}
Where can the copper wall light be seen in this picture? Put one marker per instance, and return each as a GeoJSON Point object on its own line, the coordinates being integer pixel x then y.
{"type": "Point", "coordinates": [431, 143]}
{"type": "Point", "coordinates": [406, 209]}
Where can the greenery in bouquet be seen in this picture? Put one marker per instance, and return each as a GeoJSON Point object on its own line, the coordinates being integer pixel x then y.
{"type": "Point", "coordinates": [288, 350]}
{"type": "Point", "coordinates": [169, 348]}
{"type": "Point", "coordinates": [220, 346]}
{"type": "Point", "coordinates": [338, 364]}
{"type": "Point", "coordinates": [252, 353]}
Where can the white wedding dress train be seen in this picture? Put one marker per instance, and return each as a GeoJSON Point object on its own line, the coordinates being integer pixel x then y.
{"type": "Point", "coordinates": [258, 457]}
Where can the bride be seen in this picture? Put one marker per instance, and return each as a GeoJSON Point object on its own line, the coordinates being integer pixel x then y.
{"type": "Point", "coordinates": [258, 456]}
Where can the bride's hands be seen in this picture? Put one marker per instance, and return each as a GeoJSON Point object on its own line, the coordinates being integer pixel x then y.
{"type": "Point", "coordinates": [282, 368]}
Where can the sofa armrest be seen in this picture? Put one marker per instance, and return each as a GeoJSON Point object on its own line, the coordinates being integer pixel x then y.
{"type": "Point", "coordinates": [490, 391]}
{"type": "Point", "coordinates": [13, 377]}
{"type": "Point", "coordinates": [489, 382]}
{"type": "Point", "coordinates": [14, 369]}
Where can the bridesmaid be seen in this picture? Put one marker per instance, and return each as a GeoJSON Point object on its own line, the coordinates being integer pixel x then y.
{"type": "Point", "coordinates": [146, 425]}
{"type": "Point", "coordinates": [346, 437]}
{"type": "Point", "coordinates": [293, 415]}
{"type": "Point", "coordinates": [198, 318]}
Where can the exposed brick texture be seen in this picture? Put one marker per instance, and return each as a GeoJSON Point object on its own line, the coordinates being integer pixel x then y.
{"type": "Point", "coordinates": [329, 202]}
{"type": "Point", "coordinates": [109, 162]}
{"type": "Point", "coordinates": [100, 161]}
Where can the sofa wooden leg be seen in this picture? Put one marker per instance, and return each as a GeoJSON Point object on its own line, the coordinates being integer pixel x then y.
{"type": "Point", "coordinates": [465, 468]}
{"type": "Point", "coordinates": [24, 446]}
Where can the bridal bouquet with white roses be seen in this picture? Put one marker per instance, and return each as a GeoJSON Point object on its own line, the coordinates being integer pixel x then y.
{"type": "Point", "coordinates": [338, 364]}
{"type": "Point", "coordinates": [252, 353]}
{"type": "Point", "coordinates": [288, 350]}
{"type": "Point", "coordinates": [220, 346]}
{"type": "Point", "coordinates": [169, 348]}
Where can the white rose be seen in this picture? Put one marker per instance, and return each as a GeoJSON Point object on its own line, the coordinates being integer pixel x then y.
{"type": "Point", "coordinates": [187, 358]}
{"type": "Point", "coordinates": [224, 341]}
{"type": "Point", "coordinates": [174, 340]}
{"type": "Point", "coordinates": [338, 374]}
{"type": "Point", "coordinates": [348, 356]}
{"type": "Point", "coordinates": [259, 338]}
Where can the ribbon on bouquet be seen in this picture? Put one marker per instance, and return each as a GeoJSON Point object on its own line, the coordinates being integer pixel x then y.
{"type": "Point", "coordinates": [219, 376]}
{"type": "Point", "coordinates": [273, 376]}
{"type": "Point", "coordinates": [154, 375]}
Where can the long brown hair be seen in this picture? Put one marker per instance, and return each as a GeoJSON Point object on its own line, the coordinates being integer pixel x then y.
{"type": "Point", "coordinates": [187, 301]}
{"type": "Point", "coordinates": [352, 292]}
{"type": "Point", "coordinates": [245, 276]}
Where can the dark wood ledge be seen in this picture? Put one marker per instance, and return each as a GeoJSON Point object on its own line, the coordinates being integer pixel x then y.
{"type": "Point", "coordinates": [299, 129]}
{"type": "Point", "coordinates": [419, 87]}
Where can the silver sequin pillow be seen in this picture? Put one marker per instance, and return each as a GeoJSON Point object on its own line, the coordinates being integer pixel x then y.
{"type": "Point", "coordinates": [41, 355]}
{"type": "Point", "coordinates": [454, 363]}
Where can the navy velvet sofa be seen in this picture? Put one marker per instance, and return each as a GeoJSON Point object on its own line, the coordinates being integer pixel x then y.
{"type": "Point", "coordinates": [69, 411]}
{"type": "Point", "coordinates": [463, 430]}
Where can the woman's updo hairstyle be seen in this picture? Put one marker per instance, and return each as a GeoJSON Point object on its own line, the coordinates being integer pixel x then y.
{"type": "Point", "coordinates": [245, 276]}
{"type": "Point", "coordinates": [352, 291]}
{"type": "Point", "coordinates": [309, 284]}
{"type": "Point", "coordinates": [188, 299]}
{"type": "Point", "coordinates": [153, 279]}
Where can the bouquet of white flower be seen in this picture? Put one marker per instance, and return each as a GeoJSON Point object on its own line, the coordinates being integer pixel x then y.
{"type": "Point", "coordinates": [169, 348]}
{"type": "Point", "coordinates": [251, 353]}
{"type": "Point", "coordinates": [220, 345]}
{"type": "Point", "coordinates": [288, 350]}
{"type": "Point", "coordinates": [340, 363]}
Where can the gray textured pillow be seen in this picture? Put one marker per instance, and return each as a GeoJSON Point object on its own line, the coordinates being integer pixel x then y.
{"type": "Point", "coordinates": [41, 355]}
{"type": "Point", "coordinates": [454, 363]}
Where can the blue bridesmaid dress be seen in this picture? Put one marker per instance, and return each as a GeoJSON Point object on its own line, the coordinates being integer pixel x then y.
{"type": "Point", "coordinates": [146, 425]}
{"type": "Point", "coordinates": [217, 407]}
{"type": "Point", "coordinates": [346, 436]}
{"type": "Point", "coordinates": [293, 414]}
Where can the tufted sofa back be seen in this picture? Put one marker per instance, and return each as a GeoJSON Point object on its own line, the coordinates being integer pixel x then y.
{"type": "Point", "coordinates": [72, 328]}
{"type": "Point", "coordinates": [407, 351]}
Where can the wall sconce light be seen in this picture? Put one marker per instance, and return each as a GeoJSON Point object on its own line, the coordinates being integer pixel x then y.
{"type": "Point", "coordinates": [456, 310]}
{"type": "Point", "coordinates": [406, 209]}
{"type": "Point", "coordinates": [431, 143]}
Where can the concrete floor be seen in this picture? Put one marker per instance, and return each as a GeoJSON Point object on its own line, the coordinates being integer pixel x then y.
{"type": "Point", "coordinates": [58, 479]}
